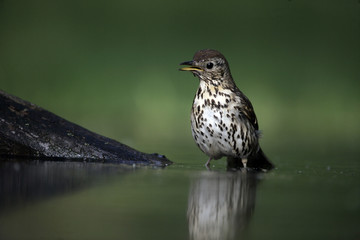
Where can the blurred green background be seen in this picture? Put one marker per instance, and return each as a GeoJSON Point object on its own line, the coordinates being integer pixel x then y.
{"type": "Point", "coordinates": [112, 67]}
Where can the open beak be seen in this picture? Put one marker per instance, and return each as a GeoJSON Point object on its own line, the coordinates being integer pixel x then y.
{"type": "Point", "coordinates": [191, 68]}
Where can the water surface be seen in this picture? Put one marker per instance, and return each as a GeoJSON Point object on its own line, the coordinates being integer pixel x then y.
{"type": "Point", "coordinates": [52, 200]}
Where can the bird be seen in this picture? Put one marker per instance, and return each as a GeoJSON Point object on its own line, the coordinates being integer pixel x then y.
{"type": "Point", "coordinates": [223, 120]}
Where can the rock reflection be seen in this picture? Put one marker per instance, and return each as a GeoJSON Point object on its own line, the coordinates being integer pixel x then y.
{"type": "Point", "coordinates": [24, 181]}
{"type": "Point", "coordinates": [220, 204]}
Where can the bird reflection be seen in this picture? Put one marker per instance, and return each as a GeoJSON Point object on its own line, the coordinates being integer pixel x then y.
{"type": "Point", "coordinates": [220, 205]}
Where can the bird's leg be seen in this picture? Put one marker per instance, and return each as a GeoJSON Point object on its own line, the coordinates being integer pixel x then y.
{"type": "Point", "coordinates": [207, 164]}
{"type": "Point", "coordinates": [244, 162]}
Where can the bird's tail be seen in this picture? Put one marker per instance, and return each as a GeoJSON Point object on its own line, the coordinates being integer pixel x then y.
{"type": "Point", "coordinates": [260, 161]}
{"type": "Point", "coordinates": [256, 161]}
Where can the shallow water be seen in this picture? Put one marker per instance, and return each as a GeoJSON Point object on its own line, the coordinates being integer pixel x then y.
{"type": "Point", "coordinates": [52, 200]}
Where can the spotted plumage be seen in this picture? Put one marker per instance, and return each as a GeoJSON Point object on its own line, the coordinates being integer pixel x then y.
{"type": "Point", "coordinates": [223, 121]}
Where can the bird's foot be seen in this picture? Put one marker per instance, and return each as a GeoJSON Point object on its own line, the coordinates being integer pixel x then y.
{"type": "Point", "coordinates": [244, 162]}
{"type": "Point", "coordinates": [207, 164]}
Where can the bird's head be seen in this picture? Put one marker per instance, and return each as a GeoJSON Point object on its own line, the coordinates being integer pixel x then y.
{"type": "Point", "coordinates": [209, 65]}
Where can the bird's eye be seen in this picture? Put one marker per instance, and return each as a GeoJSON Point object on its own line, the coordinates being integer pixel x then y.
{"type": "Point", "coordinates": [209, 65]}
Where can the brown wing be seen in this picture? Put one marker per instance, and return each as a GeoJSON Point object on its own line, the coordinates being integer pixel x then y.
{"type": "Point", "coordinates": [247, 109]}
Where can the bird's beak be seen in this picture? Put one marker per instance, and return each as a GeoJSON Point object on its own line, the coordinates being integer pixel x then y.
{"type": "Point", "coordinates": [191, 68]}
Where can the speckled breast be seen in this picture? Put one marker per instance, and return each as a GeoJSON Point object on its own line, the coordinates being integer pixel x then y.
{"type": "Point", "coordinates": [217, 126]}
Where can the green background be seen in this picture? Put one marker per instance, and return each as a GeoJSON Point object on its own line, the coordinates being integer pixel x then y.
{"type": "Point", "coordinates": [112, 67]}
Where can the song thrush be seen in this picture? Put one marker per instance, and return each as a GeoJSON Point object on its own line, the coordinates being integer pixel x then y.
{"type": "Point", "coordinates": [223, 120]}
